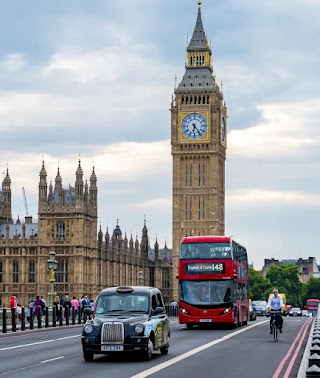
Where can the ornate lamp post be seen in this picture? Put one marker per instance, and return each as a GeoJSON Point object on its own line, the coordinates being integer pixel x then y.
{"type": "Point", "coordinates": [52, 267]}
{"type": "Point", "coordinates": [141, 278]}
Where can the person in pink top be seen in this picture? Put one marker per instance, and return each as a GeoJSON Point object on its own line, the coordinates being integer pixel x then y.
{"type": "Point", "coordinates": [75, 305]}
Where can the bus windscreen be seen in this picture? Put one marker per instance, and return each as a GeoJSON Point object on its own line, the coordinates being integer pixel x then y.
{"type": "Point", "coordinates": [206, 292]}
{"type": "Point", "coordinates": [205, 251]}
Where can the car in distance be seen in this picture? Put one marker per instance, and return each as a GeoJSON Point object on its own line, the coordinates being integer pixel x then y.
{"type": "Point", "coordinates": [304, 312]}
{"type": "Point", "coordinates": [126, 319]}
{"type": "Point", "coordinates": [295, 311]}
{"type": "Point", "coordinates": [252, 311]}
{"type": "Point", "coordinates": [261, 307]}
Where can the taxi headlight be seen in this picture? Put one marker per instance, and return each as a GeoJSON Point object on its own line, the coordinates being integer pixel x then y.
{"type": "Point", "coordinates": [138, 328]}
{"type": "Point", "coordinates": [88, 328]}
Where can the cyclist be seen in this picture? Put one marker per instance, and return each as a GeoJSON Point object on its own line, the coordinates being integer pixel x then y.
{"type": "Point", "coordinates": [275, 303]}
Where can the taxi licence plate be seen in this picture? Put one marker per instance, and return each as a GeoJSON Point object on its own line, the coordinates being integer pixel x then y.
{"type": "Point", "coordinates": [205, 320]}
{"type": "Point", "coordinates": [111, 348]}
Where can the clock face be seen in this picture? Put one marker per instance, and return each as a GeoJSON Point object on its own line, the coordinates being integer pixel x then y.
{"type": "Point", "coordinates": [223, 128]}
{"type": "Point", "coordinates": [194, 126]}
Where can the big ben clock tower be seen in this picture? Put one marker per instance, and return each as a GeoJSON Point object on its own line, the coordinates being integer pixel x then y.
{"type": "Point", "coordinates": [198, 147]}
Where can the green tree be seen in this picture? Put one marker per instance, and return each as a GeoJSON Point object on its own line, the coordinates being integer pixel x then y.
{"type": "Point", "coordinates": [311, 290]}
{"type": "Point", "coordinates": [285, 278]}
{"type": "Point", "coordinates": [257, 285]}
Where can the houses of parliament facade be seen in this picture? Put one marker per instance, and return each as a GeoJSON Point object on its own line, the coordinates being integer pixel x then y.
{"type": "Point", "coordinates": [88, 259]}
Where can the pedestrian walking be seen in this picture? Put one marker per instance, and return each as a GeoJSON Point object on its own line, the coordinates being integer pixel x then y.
{"type": "Point", "coordinates": [29, 311]}
{"type": "Point", "coordinates": [19, 312]}
{"type": "Point", "coordinates": [75, 305]}
{"type": "Point", "coordinates": [37, 307]}
{"type": "Point", "coordinates": [56, 305]}
{"type": "Point", "coordinates": [43, 305]}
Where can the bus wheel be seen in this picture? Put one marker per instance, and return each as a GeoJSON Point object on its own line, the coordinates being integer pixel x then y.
{"type": "Point", "coordinates": [189, 326]}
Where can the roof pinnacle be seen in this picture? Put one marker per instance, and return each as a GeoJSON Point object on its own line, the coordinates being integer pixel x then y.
{"type": "Point", "coordinates": [199, 3]}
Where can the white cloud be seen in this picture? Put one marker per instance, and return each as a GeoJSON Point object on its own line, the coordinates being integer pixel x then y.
{"type": "Point", "coordinates": [163, 204]}
{"type": "Point", "coordinates": [264, 197]}
{"type": "Point", "coordinates": [12, 63]}
{"type": "Point", "coordinates": [286, 130]}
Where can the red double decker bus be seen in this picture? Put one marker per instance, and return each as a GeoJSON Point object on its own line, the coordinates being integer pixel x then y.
{"type": "Point", "coordinates": [312, 306]}
{"type": "Point", "coordinates": [213, 281]}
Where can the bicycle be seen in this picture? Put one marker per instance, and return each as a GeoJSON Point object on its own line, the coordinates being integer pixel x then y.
{"type": "Point", "coordinates": [274, 326]}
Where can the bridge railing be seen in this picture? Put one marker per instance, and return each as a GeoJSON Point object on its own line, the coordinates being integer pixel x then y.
{"type": "Point", "coordinates": [10, 321]}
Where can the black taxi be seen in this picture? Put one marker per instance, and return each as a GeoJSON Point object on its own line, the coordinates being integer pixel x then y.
{"type": "Point", "coordinates": [126, 319]}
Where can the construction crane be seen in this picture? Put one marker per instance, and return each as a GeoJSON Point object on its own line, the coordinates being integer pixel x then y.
{"type": "Point", "coordinates": [25, 201]}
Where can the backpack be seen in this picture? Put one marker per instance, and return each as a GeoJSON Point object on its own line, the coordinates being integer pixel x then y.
{"type": "Point", "coordinates": [42, 304]}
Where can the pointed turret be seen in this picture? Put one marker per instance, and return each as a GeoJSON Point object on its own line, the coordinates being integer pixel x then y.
{"type": "Point", "coordinates": [43, 186]}
{"type": "Point", "coordinates": [5, 200]}
{"type": "Point", "coordinates": [199, 40]}
{"type": "Point", "coordinates": [144, 241]}
{"type": "Point", "coordinates": [79, 185]}
{"type": "Point", "coordinates": [131, 243]}
{"type": "Point", "coordinates": [100, 239]}
{"type": "Point", "coordinates": [58, 180]}
{"type": "Point", "coordinates": [50, 196]}
{"type": "Point", "coordinates": [198, 76]}
{"type": "Point", "coordinates": [58, 191]}
{"type": "Point", "coordinates": [93, 189]}
{"type": "Point", "coordinates": [156, 250]}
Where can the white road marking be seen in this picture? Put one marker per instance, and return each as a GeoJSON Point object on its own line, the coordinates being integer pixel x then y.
{"type": "Point", "coordinates": [183, 356]}
{"type": "Point", "coordinates": [51, 359]}
{"type": "Point", "coordinates": [32, 366]}
{"type": "Point", "coordinates": [39, 343]}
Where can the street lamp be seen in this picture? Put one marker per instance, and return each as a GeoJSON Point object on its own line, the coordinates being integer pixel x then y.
{"type": "Point", "coordinates": [52, 267]}
{"type": "Point", "coordinates": [141, 278]}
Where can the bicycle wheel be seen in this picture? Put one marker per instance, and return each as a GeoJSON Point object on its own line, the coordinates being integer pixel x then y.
{"type": "Point", "coordinates": [275, 332]}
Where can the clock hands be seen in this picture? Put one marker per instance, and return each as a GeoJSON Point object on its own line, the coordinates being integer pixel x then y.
{"type": "Point", "coordinates": [195, 127]}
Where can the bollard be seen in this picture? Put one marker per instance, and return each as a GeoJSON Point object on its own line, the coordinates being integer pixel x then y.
{"type": "Point", "coordinates": [13, 320]}
{"type": "Point", "coordinates": [60, 316]}
{"type": "Point", "coordinates": [73, 316]}
{"type": "Point", "coordinates": [79, 315]}
{"type": "Point", "coordinates": [4, 320]}
{"type": "Point", "coordinates": [54, 316]}
{"type": "Point", "coordinates": [66, 314]}
{"type": "Point", "coordinates": [31, 318]}
{"type": "Point", "coordinates": [39, 317]}
{"type": "Point", "coordinates": [47, 317]}
{"type": "Point", "coordinates": [23, 319]}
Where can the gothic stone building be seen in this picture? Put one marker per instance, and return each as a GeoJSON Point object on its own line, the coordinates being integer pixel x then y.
{"type": "Point", "coordinates": [67, 224]}
{"type": "Point", "coordinates": [198, 147]}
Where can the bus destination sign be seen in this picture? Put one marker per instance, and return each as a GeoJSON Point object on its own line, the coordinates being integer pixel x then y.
{"type": "Point", "coordinates": [205, 268]}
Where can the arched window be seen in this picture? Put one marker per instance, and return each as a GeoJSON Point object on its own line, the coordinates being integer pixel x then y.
{"type": "Point", "coordinates": [15, 277]}
{"type": "Point", "coordinates": [32, 271]}
{"type": "Point", "coordinates": [60, 230]}
{"type": "Point", "coordinates": [62, 271]}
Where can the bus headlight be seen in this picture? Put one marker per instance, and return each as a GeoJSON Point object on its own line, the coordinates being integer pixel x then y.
{"type": "Point", "coordinates": [226, 310]}
{"type": "Point", "coordinates": [184, 311]}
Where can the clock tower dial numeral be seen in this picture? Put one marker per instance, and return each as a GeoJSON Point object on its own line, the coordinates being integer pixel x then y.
{"type": "Point", "coordinates": [194, 126]}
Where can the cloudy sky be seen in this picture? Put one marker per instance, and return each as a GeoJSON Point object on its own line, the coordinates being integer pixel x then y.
{"type": "Point", "coordinates": [96, 77]}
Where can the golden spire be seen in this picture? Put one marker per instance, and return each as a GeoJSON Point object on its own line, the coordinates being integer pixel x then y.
{"type": "Point", "coordinates": [199, 3]}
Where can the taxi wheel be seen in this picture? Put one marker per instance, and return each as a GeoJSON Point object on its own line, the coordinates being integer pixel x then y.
{"type": "Point", "coordinates": [164, 350]}
{"type": "Point", "coordinates": [147, 355]}
{"type": "Point", "coordinates": [87, 356]}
